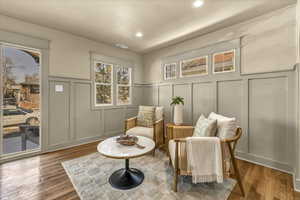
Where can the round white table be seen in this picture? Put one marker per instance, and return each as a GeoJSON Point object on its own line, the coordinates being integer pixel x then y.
{"type": "Point", "coordinates": [125, 178]}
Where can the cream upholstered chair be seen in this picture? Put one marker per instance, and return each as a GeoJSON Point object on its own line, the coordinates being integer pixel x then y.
{"type": "Point", "coordinates": [156, 132]}
{"type": "Point", "coordinates": [178, 154]}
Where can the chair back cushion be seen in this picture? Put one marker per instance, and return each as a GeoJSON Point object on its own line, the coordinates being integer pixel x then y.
{"type": "Point", "coordinates": [226, 126]}
{"type": "Point", "coordinates": [146, 116]}
{"type": "Point", "coordinates": [159, 113]}
{"type": "Point", "coordinates": [205, 127]}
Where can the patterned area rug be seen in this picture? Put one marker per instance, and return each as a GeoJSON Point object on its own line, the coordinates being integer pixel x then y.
{"type": "Point", "coordinates": [89, 175]}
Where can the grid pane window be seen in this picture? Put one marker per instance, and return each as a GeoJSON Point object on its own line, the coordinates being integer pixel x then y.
{"type": "Point", "coordinates": [123, 85]}
{"type": "Point", "coordinates": [104, 83]}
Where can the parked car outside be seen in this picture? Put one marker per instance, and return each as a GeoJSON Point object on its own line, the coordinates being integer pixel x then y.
{"type": "Point", "coordinates": [15, 116]}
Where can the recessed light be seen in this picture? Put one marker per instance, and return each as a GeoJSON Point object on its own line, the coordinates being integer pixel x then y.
{"type": "Point", "coordinates": [139, 34]}
{"type": "Point", "coordinates": [198, 3]}
{"type": "Point", "coordinates": [122, 46]}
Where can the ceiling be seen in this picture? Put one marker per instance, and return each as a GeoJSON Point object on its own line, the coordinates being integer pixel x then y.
{"type": "Point", "coordinates": [163, 22]}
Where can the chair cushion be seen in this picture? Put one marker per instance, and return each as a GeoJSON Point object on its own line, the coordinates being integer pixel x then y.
{"type": "Point", "coordinates": [141, 131]}
{"type": "Point", "coordinates": [226, 126]}
{"type": "Point", "coordinates": [159, 112]}
{"type": "Point", "coordinates": [146, 116]}
{"type": "Point", "coordinates": [205, 127]}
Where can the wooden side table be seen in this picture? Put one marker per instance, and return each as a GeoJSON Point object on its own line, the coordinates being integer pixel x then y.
{"type": "Point", "coordinates": [171, 134]}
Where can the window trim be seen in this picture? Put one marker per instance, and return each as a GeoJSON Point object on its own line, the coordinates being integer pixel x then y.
{"type": "Point", "coordinates": [122, 85]}
{"type": "Point", "coordinates": [98, 83]}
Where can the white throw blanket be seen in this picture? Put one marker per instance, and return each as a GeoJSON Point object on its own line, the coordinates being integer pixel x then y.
{"type": "Point", "coordinates": [204, 156]}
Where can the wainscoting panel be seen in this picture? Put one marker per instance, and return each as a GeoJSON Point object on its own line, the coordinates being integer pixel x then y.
{"type": "Point", "coordinates": [137, 95]}
{"type": "Point", "coordinates": [268, 118]}
{"type": "Point", "coordinates": [150, 95]}
{"type": "Point", "coordinates": [204, 98]}
{"type": "Point", "coordinates": [264, 105]}
{"type": "Point", "coordinates": [59, 114]}
{"type": "Point", "coordinates": [185, 91]}
{"type": "Point", "coordinates": [114, 121]}
{"type": "Point", "coordinates": [165, 96]}
{"type": "Point", "coordinates": [88, 123]}
{"type": "Point", "coordinates": [73, 120]}
{"type": "Point", "coordinates": [229, 103]}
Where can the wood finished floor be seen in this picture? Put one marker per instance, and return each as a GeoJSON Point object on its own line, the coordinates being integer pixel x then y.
{"type": "Point", "coordinates": [43, 177]}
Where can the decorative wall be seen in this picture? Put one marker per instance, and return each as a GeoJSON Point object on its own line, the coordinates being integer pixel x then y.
{"type": "Point", "coordinates": [264, 105]}
{"type": "Point", "coordinates": [73, 121]}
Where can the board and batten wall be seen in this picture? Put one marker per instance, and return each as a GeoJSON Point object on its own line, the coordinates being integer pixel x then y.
{"type": "Point", "coordinates": [264, 105]}
{"type": "Point", "coordinates": [262, 94]}
{"type": "Point", "coordinates": [74, 121]}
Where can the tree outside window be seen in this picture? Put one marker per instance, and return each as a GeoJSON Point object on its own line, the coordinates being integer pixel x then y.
{"type": "Point", "coordinates": [123, 86]}
{"type": "Point", "coordinates": [103, 83]}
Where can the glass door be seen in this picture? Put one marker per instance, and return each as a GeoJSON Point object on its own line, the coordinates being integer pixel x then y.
{"type": "Point", "coordinates": [20, 96]}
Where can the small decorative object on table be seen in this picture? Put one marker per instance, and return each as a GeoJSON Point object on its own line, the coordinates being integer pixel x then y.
{"type": "Point", "coordinates": [129, 140]}
{"type": "Point", "coordinates": [178, 103]}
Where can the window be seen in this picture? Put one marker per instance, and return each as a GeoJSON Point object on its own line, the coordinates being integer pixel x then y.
{"type": "Point", "coordinates": [194, 67]}
{"type": "Point", "coordinates": [103, 83]}
{"type": "Point", "coordinates": [123, 86]}
{"type": "Point", "coordinates": [170, 71]}
{"type": "Point", "coordinates": [224, 62]}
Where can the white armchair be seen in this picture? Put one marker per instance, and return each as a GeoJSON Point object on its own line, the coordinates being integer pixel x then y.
{"type": "Point", "coordinates": [156, 132]}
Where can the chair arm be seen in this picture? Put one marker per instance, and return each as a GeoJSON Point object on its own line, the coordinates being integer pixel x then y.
{"type": "Point", "coordinates": [158, 131]}
{"type": "Point", "coordinates": [177, 140]}
{"type": "Point", "coordinates": [130, 123]}
{"type": "Point", "coordinates": [182, 131]}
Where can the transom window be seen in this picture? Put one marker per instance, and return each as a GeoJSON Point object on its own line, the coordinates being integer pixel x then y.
{"type": "Point", "coordinates": [104, 84]}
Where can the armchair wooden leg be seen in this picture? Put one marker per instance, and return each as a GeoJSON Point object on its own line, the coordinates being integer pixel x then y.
{"type": "Point", "coordinates": [175, 181]}
{"type": "Point", "coordinates": [153, 152]}
{"type": "Point", "coordinates": [236, 170]}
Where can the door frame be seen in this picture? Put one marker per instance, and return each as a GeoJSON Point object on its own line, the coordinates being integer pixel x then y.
{"type": "Point", "coordinates": [42, 45]}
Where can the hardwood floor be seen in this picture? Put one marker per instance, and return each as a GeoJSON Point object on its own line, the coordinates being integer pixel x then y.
{"type": "Point", "coordinates": [43, 177]}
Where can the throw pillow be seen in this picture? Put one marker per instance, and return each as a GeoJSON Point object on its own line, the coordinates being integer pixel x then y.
{"type": "Point", "coordinates": [146, 116]}
{"type": "Point", "coordinates": [226, 126]}
{"type": "Point", "coordinates": [205, 127]}
{"type": "Point", "coordinates": [159, 113]}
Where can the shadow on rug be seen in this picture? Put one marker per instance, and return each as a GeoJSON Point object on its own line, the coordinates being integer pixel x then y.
{"type": "Point", "coordinates": [89, 175]}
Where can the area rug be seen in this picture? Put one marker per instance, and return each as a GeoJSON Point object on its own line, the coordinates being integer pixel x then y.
{"type": "Point", "coordinates": [89, 175]}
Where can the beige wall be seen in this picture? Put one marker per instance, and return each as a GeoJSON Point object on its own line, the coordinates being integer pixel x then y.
{"type": "Point", "coordinates": [268, 44]}
{"type": "Point", "coordinates": [69, 54]}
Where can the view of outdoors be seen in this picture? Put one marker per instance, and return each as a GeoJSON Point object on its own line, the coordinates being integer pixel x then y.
{"type": "Point", "coordinates": [224, 62]}
{"type": "Point", "coordinates": [103, 81]}
{"type": "Point", "coordinates": [104, 84]}
{"type": "Point", "coordinates": [21, 99]}
{"type": "Point", "coordinates": [123, 78]}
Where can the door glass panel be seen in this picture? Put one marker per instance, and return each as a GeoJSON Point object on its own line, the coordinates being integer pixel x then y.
{"type": "Point", "coordinates": [21, 99]}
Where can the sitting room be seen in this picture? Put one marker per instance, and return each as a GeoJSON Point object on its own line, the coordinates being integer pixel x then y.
{"type": "Point", "coordinates": [140, 99]}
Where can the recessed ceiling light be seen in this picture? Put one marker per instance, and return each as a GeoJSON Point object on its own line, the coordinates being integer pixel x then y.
{"type": "Point", "coordinates": [139, 34]}
{"type": "Point", "coordinates": [198, 3]}
{"type": "Point", "coordinates": [122, 46]}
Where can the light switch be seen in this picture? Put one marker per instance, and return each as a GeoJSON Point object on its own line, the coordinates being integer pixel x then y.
{"type": "Point", "coordinates": [59, 88]}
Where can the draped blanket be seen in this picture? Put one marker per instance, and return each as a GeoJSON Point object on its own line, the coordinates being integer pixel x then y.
{"type": "Point", "coordinates": [204, 157]}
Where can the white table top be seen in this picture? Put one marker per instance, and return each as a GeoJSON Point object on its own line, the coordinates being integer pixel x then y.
{"type": "Point", "coordinates": [110, 148]}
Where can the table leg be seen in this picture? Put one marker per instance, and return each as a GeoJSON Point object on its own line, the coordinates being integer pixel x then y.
{"type": "Point", "coordinates": [126, 178]}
